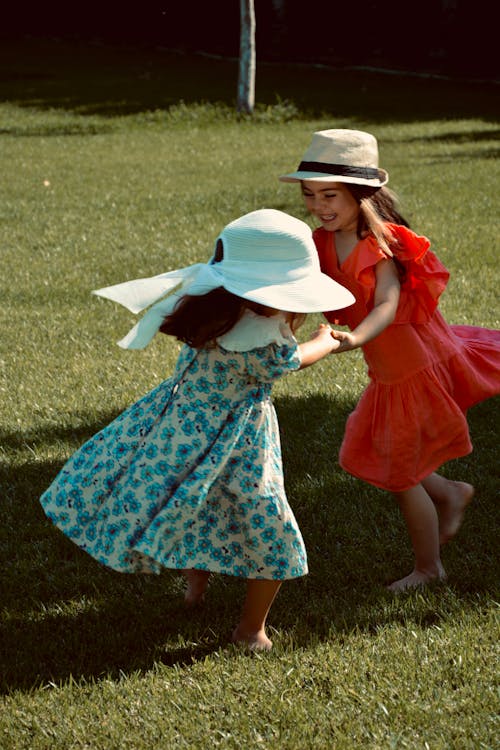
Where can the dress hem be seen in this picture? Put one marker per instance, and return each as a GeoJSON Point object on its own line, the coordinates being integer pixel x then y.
{"type": "Point", "coordinates": [156, 568]}
{"type": "Point", "coordinates": [422, 475]}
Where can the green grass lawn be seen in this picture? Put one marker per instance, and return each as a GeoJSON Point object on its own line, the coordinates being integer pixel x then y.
{"type": "Point", "coordinates": [124, 163]}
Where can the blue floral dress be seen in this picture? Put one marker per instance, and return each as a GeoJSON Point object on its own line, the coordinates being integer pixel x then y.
{"type": "Point", "coordinates": [190, 476]}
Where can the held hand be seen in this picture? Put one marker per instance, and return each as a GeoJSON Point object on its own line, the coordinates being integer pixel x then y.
{"type": "Point", "coordinates": [345, 341]}
{"type": "Point", "coordinates": [326, 335]}
{"type": "Point", "coordinates": [320, 344]}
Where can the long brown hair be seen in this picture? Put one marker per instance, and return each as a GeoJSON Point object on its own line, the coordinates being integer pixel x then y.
{"type": "Point", "coordinates": [196, 320]}
{"type": "Point", "coordinates": [377, 206]}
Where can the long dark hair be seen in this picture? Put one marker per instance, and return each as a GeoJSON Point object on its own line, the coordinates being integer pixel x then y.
{"type": "Point", "coordinates": [199, 320]}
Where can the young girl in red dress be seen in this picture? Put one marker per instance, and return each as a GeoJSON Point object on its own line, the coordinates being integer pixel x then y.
{"type": "Point", "coordinates": [424, 374]}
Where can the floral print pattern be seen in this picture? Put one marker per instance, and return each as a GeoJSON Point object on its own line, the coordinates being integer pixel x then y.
{"type": "Point", "coordinates": [190, 476]}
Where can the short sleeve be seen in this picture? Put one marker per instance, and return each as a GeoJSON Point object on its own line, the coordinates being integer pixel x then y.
{"type": "Point", "coordinates": [271, 362]}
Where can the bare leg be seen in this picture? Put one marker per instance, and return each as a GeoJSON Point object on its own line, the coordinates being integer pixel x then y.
{"type": "Point", "coordinates": [197, 582]}
{"type": "Point", "coordinates": [451, 499]}
{"type": "Point", "coordinates": [423, 527]}
{"type": "Point", "coordinates": [251, 629]}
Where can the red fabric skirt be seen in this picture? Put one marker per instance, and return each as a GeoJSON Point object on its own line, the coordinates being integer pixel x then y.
{"type": "Point", "coordinates": [400, 432]}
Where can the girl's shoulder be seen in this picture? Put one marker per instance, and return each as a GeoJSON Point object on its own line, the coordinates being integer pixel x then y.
{"type": "Point", "coordinates": [254, 331]}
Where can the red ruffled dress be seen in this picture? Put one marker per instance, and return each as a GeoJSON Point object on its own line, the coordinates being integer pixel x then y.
{"type": "Point", "coordinates": [424, 374]}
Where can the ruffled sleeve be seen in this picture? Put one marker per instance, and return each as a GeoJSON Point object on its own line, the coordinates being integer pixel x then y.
{"type": "Point", "coordinates": [425, 276]}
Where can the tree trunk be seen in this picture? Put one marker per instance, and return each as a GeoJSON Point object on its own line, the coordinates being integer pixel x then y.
{"type": "Point", "coordinates": [246, 80]}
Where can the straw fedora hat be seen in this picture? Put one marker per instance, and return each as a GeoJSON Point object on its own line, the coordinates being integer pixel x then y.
{"type": "Point", "coordinates": [341, 156]}
{"type": "Point", "coordinates": [268, 257]}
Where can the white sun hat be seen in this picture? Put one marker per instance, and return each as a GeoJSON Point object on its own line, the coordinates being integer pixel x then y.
{"type": "Point", "coordinates": [268, 257]}
{"type": "Point", "coordinates": [341, 156]}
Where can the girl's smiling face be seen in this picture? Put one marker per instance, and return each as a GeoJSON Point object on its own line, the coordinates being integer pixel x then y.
{"type": "Point", "coordinates": [332, 204]}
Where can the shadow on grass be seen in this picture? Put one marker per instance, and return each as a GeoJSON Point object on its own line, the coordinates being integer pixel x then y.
{"type": "Point", "coordinates": [89, 79]}
{"type": "Point", "coordinates": [78, 432]}
{"type": "Point", "coordinates": [64, 616]}
{"type": "Point", "coordinates": [471, 136]}
{"type": "Point", "coordinates": [48, 131]}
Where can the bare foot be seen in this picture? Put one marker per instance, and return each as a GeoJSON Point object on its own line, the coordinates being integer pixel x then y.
{"type": "Point", "coordinates": [254, 641]}
{"type": "Point", "coordinates": [417, 578]}
{"type": "Point", "coordinates": [451, 511]}
{"type": "Point", "coordinates": [197, 582]}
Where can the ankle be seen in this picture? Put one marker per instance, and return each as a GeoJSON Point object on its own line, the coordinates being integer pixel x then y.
{"type": "Point", "coordinates": [430, 570]}
{"type": "Point", "coordinates": [197, 582]}
{"type": "Point", "coordinates": [417, 578]}
{"type": "Point", "coordinates": [255, 640]}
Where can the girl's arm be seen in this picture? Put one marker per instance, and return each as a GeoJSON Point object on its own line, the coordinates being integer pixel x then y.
{"type": "Point", "coordinates": [386, 302]}
{"type": "Point", "coordinates": [319, 345]}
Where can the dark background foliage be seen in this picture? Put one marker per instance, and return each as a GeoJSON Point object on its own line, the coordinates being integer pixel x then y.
{"type": "Point", "coordinates": [453, 37]}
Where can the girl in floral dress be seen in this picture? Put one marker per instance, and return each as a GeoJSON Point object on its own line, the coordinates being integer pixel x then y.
{"type": "Point", "coordinates": [190, 477]}
{"type": "Point", "coordinates": [424, 374]}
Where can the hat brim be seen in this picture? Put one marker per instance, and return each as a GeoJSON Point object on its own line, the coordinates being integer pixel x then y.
{"type": "Point", "coordinates": [382, 180]}
{"type": "Point", "coordinates": [319, 294]}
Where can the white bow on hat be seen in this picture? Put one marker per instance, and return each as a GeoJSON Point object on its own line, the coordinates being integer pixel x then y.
{"type": "Point", "coordinates": [139, 294]}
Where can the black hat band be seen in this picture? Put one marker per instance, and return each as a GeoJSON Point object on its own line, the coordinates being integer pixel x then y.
{"type": "Point", "coordinates": [367, 173]}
